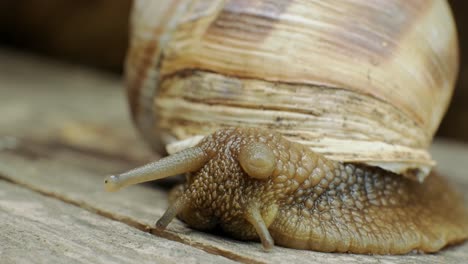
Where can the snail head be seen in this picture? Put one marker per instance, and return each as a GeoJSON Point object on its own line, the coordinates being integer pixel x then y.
{"type": "Point", "coordinates": [234, 176]}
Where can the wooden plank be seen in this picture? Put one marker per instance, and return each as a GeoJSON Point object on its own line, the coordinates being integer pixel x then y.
{"type": "Point", "coordinates": [452, 160]}
{"type": "Point", "coordinates": [38, 229]}
{"type": "Point", "coordinates": [63, 148]}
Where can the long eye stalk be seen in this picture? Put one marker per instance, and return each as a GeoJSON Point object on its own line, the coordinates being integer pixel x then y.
{"type": "Point", "coordinates": [187, 160]}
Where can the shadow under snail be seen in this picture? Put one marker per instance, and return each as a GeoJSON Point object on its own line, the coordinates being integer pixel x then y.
{"type": "Point", "coordinates": [299, 123]}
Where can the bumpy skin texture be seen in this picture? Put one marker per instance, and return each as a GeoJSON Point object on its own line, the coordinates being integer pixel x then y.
{"type": "Point", "coordinates": [309, 202]}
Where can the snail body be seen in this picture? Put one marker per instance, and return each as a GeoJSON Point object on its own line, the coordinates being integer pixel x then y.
{"type": "Point", "coordinates": [300, 123]}
{"type": "Point", "coordinates": [255, 184]}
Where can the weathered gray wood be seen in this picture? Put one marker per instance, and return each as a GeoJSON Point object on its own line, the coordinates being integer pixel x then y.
{"type": "Point", "coordinates": [452, 160]}
{"type": "Point", "coordinates": [63, 150]}
{"type": "Point", "coordinates": [38, 229]}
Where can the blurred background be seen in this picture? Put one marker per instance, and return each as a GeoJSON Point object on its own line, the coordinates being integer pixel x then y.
{"type": "Point", "coordinates": [94, 33]}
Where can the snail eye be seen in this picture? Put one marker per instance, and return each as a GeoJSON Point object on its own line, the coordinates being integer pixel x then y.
{"type": "Point", "coordinates": [257, 160]}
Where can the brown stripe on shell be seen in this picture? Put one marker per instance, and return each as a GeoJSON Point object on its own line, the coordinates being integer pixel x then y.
{"type": "Point", "coordinates": [441, 68]}
{"type": "Point", "coordinates": [248, 20]}
{"type": "Point", "coordinates": [372, 28]}
{"type": "Point", "coordinates": [373, 31]}
{"type": "Point", "coordinates": [134, 83]}
{"type": "Point", "coordinates": [144, 55]}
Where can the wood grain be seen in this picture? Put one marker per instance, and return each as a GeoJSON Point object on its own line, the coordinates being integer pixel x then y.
{"type": "Point", "coordinates": [36, 154]}
{"type": "Point", "coordinates": [38, 229]}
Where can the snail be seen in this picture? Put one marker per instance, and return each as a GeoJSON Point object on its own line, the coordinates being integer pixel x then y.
{"type": "Point", "coordinates": [303, 124]}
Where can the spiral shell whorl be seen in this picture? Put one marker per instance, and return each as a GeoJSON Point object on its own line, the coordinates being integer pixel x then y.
{"type": "Point", "coordinates": [359, 81]}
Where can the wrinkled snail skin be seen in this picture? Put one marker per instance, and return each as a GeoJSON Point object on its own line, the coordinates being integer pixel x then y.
{"type": "Point", "coordinates": [310, 202]}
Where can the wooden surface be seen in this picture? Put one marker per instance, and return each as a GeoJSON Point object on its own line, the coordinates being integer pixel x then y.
{"type": "Point", "coordinates": [46, 230]}
{"type": "Point", "coordinates": [62, 129]}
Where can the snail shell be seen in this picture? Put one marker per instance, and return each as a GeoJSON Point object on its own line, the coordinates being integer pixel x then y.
{"type": "Point", "coordinates": [358, 81]}
{"type": "Point", "coordinates": [282, 112]}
